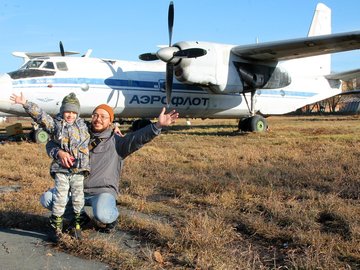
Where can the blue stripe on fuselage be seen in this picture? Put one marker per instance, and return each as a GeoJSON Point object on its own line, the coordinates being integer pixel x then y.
{"type": "Point", "coordinates": [284, 93]}
{"type": "Point", "coordinates": [112, 83]}
{"type": "Point", "coordinates": [149, 86]}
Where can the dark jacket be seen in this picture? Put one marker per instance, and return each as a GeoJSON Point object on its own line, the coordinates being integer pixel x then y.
{"type": "Point", "coordinates": [107, 157]}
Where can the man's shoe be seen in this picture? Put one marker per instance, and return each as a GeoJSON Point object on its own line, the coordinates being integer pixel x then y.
{"type": "Point", "coordinates": [107, 228]}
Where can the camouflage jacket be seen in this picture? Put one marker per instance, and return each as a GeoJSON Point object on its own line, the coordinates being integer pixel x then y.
{"type": "Point", "coordinates": [72, 138]}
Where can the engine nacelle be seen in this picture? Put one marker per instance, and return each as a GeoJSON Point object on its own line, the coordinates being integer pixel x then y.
{"type": "Point", "coordinates": [223, 72]}
{"type": "Point", "coordinates": [214, 71]}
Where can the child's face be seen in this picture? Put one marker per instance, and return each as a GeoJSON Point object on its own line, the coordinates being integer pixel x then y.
{"type": "Point", "coordinates": [69, 117]}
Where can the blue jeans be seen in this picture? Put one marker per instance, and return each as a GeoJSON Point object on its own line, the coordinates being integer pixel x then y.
{"type": "Point", "coordinates": [103, 205]}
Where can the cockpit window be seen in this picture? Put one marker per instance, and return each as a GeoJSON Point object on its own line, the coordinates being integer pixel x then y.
{"type": "Point", "coordinates": [33, 64]}
{"type": "Point", "coordinates": [34, 68]}
{"type": "Point", "coordinates": [38, 68]}
{"type": "Point", "coordinates": [61, 66]}
{"type": "Point", "coordinates": [30, 73]}
{"type": "Point", "coordinates": [49, 65]}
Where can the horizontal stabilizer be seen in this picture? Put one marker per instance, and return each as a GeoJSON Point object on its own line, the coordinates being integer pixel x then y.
{"type": "Point", "coordinates": [345, 76]}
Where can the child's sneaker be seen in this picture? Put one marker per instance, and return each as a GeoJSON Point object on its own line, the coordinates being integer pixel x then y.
{"type": "Point", "coordinates": [77, 226]}
{"type": "Point", "coordinates": [56, 225]}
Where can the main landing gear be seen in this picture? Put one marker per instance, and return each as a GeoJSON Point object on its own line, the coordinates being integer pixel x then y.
{"type": "Point", "coordinates": [38, 135]}
{"type": "Point", "coordinates": [253, 123]}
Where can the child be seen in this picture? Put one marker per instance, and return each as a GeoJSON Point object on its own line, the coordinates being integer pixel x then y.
{"type": "Point", "coordinates": [71, 134]}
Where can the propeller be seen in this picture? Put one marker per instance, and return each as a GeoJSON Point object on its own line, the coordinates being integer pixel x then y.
{"type": "Point", "coordinates": [171, 55]}
{"type": "Point", "coordinates": [61, 49]}
{"type": "Point", "coordinates": [169, 65]}
{"type": "Point", "coordinates": [170, 20]}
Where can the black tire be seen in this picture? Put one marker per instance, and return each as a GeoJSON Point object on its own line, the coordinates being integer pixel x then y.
{"type": "Point", "coordinates": [140, 123]}
{"type": "Point", "coordinates": [258, 124]}
{"type": "Point", "coordinates": [244, 124]}
{"type": "Point", "coordinates": [41, 136]}
{"type": "Point", "coordinates": [254, 123]}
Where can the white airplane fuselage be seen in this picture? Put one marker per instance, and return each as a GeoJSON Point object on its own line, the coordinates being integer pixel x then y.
{"type": "Point", "coordinates": [136, 89]}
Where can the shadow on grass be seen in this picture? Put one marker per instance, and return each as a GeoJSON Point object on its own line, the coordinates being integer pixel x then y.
{"type": "Point", "coordinates": [24, 221]}
{"type": "Point", "coordinates": [334, 224]}
{"type": "Point", "coordinates": [324, 118]}
{"type": "Point", "coordinates": [206, 130]}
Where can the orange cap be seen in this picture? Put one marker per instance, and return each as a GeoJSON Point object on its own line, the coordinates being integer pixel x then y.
{"type": "Point", "coordinates": [108, 109]}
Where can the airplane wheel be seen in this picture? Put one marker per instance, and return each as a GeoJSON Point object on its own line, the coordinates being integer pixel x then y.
{"type": "Point", "coordinates": [254, 123]}
{"type": "Point", "coordinates": [258, 123]}
{"type": "Point", "coordinates": [244, 124]}
{"type": "Point", "coordinates": [41, 136]}
{"type": "Point", "coordinates": [140, 123]}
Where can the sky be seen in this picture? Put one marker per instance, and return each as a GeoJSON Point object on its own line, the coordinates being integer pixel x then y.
{"type": "Point", "coordinates": [119, 29]}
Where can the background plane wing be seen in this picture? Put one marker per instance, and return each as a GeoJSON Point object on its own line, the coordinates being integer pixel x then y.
{"type": "Point", "coordinates": [301, 47]}
{"type": "Point", "coordinates": [345, 76]}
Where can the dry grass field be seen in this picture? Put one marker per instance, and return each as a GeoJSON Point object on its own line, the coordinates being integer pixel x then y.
{"type": "Point", "coordinates": [207, 197]}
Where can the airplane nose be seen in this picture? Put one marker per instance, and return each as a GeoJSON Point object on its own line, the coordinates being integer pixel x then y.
{"type": "Point", "coordinates": [5, 82]}
{"type": "Point", "coordinates": [5, 92]}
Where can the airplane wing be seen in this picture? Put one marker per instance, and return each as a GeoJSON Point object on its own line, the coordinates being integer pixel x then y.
{"type": "Point", "coordinates": [30, 55]}
{"type": "Point", "coordinates": [345, 76]}
{"type": "Point", "coordinates": [300, 47]}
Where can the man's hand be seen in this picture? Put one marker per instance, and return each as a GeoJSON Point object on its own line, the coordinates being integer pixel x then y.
{"type": "Point", "coordinates": [18, 99]}
{"type": "Point", "coordinates": [65, 158]}
{"type": "Point", "coordinates": [165, 120]}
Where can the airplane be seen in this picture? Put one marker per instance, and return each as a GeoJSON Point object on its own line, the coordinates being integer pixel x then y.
{"type": "Point", "coordinates": [197, 79]}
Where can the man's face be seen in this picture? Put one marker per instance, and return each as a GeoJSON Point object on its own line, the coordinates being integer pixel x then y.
{"type": "Point", "coordinates": [69, 117]}
{"type": "Point", "coordinates": [100, 120]}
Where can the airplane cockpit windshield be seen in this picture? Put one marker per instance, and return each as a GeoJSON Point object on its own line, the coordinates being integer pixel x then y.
{"type": "Point", "coordinates": [38, 68]}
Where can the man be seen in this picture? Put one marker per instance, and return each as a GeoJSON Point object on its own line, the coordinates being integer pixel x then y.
{"type": "Point", "coordinates": [107, 153]}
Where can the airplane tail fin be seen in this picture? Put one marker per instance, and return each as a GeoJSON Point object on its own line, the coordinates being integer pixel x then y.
{"type": "Point", "coordinates": [320, 25]}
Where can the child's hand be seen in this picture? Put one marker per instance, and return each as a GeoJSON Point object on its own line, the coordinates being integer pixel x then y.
{"type": "Point", "coordinates": [66, 159]}
{"type": "Point", "coordinates": [18, 99]}
{"type": "Point", "coordinates": [118, 131]}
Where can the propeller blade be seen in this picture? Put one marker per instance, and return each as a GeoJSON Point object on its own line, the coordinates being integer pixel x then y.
{"type": "Point", "coordinates": [169, 82]}
{"type": "Point", "coordinates": [170, 20]}
{"type": "Point", "coordinates": [148, 57]}
{"type": "Point", "coordinates": [190, 53]}
{"type": "Point", "coordinates": [62, 49]}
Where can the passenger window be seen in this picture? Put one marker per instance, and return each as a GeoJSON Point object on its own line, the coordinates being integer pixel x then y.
{"type": "Point", "coordinates": [61, 66]}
